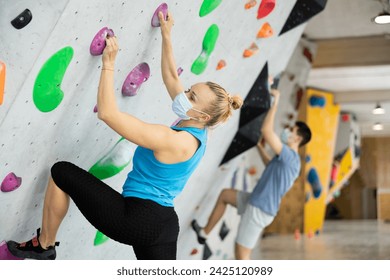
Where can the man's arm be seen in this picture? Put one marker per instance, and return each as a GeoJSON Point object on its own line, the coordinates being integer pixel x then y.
{"type": "Point", "coordinates": [263, 153]}
{"type": "Point", "coordinates": [267, 130]}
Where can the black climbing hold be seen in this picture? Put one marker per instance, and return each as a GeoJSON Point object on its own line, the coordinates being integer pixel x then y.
{"type": "Point", "coordinates": [302, 12]}
{"type": "Point", "coordinates": [224, 231]}
{"type": "Point", "coordinates": [207, 252]}
{"type": "Point", "coordinates": [22, 20]}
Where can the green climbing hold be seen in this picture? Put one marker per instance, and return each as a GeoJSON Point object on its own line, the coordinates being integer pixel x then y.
{"type": "Point", "coordinates": [47, 94]}
{"type": "Point", "coordinates": [100, 238]}
{"type": "Point", "coordinates": [208, 6]}
{"type": "Point", "coordinates": [114, 161]}
{"type": "Point", "coordinates": [208, 45]}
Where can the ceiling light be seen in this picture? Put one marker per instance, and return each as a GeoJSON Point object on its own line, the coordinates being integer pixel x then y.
{"type": "Point", "coordinates": [378, 110]}
{"type": "Point", "coordinates": [382, 18]}
{"type": "Point", "coordinates": [377, 127]}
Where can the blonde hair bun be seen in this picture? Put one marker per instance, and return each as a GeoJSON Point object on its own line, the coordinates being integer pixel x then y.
{"type": "Point", "coordinates": [237, 102]}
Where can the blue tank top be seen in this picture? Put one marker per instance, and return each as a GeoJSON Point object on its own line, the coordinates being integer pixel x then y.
{"type": "Point", "coordinates": [162, 182]}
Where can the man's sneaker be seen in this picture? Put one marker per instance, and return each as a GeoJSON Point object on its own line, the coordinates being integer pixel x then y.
{"type": "Point", "coordinates": [197, 230]}
{"type": "Point", "coordinates": [32, 249]}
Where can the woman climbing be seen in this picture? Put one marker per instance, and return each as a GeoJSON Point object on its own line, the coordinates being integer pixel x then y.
{"type": "Point", "coordinates": [142, 215]}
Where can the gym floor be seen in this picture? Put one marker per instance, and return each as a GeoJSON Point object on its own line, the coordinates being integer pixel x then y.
{"type": "Point", "coordinates": [340, 240]}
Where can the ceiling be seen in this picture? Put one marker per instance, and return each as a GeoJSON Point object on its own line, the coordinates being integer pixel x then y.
{"type": "Point", "coordinates": [356, 88]}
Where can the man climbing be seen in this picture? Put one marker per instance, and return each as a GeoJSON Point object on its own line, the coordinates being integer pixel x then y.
{"type": "Point", "coordinates": [259, 208]}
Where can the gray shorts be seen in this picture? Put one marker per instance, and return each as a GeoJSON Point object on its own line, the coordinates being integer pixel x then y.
{"type": "Point", "coordinates": [253, 221]}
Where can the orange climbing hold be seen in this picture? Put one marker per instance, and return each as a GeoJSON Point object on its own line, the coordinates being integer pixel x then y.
{"type": "Point", "coordinates": [253, 49]}
{"type": "Point", "coordinates": [265, 31]}
{"type": "Point", "coordinates": [2, 81]}
{"type": "Point", "coordinates": [194, 252]}
{"type": "Point", "coordinates": [250, 4]}
{"type": "Point", "coordinates": [221, 64]}
{"type": "Point", "coordinates": [252, 171]}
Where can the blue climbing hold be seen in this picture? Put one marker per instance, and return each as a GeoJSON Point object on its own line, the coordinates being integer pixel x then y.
{"type": "Point", "coordinates": [308, 159]}
{"type": "Point", "coordinates": [317, 101]}
{"type": "Point", "coordinates": [314, 180]}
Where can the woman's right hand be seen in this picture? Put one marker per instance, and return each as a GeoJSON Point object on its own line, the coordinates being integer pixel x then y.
{"type": "Point", "coordinates": [166, 25]}
{"type": "Point", "coordinates": [110, 52]}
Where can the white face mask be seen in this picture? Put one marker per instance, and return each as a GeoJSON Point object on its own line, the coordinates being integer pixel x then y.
{"type": "Point", "coordinates": [285, 135]}
{"type": "Point", "coordinates": [181, 105]}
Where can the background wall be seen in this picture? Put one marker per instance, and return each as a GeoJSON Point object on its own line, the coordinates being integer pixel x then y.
{"type": "Point", "coordinates": [31, 141]}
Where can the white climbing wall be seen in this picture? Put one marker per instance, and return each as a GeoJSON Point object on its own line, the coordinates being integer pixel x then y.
{"type": "Point", "coordinates": [32, 141]}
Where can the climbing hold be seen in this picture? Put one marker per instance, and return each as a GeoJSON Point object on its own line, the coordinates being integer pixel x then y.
{"type": "Point", "coordinates": [310, 234]}
{"type": "Point", "coordinates": [2, 81]}
{"type": "Point", "coordinates": [47, 94]}
{"type": "Point", "coordinates": [298, 98]}
{"type": "Point", "coordinates": [221, 64]}
{"type": "Point", "coordinates": [315, 183]}
{"type": "Point", "coordinates": [225, 256]}
{"type": "Point", "coordinates": [265, 8]}
{"type": "Point", "coordinates": [317, 232]}
{"type": "Point", "coordinates": [218, 253]}
{"type": "Point", "coordinates": [162, 8]}
{"type": "Point", "coordinates": [253, 49]}
{"type": "Point", "coordinates": [307, 53]}
{"type": "Point", "coordinates": [114, 161]}
{"type": "Point", "coordinates": [317, 101]}
{"type": "Point", "coordinates": [5, 254]}
{"type": "Point", "coordinates": [344, 117]}
{"type": "Point", "coordinates": [224, 231]}
{"type": "Point", "coordinates": [22, 19]}
{"type": "Point", "coordinates": [208, 45]}
{"type": "Point", "coordinates": [245, 182]}
{"type": "Point", "coordinates": [11, 182]}
{"type": "Point", "coordinates": [308, 158]}
{"type": "Point", "coordinates": [265, 31]}
{"type": "Point", "coordinates": [208, 6]}
{"type": "Point", "coordinates": [100, 238]}
{"type": "Point", "coordinates": [194, 251]}
{"type": "Point", "coordinates": [252, 170]}
{"type": "Point", "coordinates": [179, 71]}
{"type": "Point", "coordinates": [250, 4]}
{"type": "Point", "coordinates": [99, 41]}
{"type": "Point", "coordinates": [95, 109]}
{"type": "Point", "coordinates": [207, 252]}
{"type": "Point", "coordinates": [134, 80]}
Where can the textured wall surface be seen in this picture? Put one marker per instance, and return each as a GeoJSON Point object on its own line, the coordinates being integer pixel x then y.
{"type": "Point", "coordinates": [31, 141]}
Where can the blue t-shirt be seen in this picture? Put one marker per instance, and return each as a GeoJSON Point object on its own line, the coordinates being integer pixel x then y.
{"type": "Point", "coordinates": [161, 182]}
{"type": "Point", "coordinates": [277, 178]}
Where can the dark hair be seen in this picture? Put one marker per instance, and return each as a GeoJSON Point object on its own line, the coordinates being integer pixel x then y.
{"type": "Point", "coordinates": [303, 131]}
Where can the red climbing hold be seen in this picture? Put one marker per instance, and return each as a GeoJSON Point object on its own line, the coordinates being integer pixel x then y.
{"type": "Point", "coordinates": [162, 8]}
{"type": "Point", "coordinates": [194, 252]}
{"type": "Point", "coordinates": [135, 79]}
{"type": "Point", "coordinates": [265, 8]}
{"type": "Point", "coordinates": [99, 41]}
{"type": "Point", "coordinates": [10, 183]}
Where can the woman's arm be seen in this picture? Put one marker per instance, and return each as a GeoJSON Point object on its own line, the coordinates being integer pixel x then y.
{"type": "Point", "coordinates": [168, 66]}
{"type": "Point", "coordinates": [154, 137]}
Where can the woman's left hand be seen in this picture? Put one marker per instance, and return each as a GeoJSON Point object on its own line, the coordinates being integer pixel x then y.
{"type": "Point", "coordinates": [110, 52]}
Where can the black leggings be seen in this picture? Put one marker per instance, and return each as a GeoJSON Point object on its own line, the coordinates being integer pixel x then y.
{"type": "Point", "coordinates": [149, 227]}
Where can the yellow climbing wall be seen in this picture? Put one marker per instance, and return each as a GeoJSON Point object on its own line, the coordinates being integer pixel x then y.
{"type": "Point", "coordinates": [323, 122]}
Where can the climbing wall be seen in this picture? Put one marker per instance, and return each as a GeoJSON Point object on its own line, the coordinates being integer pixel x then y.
{"type": "Point", "coordinates": [50, 53]}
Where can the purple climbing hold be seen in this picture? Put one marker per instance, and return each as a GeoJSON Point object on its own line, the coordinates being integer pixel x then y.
{"type": "Point", "coordinates": [99, 41]}
{"type": "Point", "coordinates": [5, 254]}
{"type": "Point", "coordinates": [134, 80]}
{"type": "Point", "coordinates": [95, 109]}
{"type": "Point", "coordinates": [179, 71]}
{"type": "Point", "coordinates": [11, 182]}
{"type": "Point", "coordinates": [162, 8]}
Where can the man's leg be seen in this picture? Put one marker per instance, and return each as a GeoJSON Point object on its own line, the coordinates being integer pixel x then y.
{"type": "Point", "coordinates": [227, 196]}
{"type": "Point", "coordinates": [242, 253]}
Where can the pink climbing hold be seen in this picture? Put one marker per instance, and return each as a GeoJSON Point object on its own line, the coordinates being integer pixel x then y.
{"type": "Point", "coordinates": [134, 80]}
{"type": "Point", "coordinates": [265, 8]}
{"type": "Point", "coordinates": [5, 254]}
{"type": "Point", "coordinates": [179, 71]}
{"type": "Point", "coordinates": [99, 41]}
{"type": "Point", "coordinates": [11, 182]}
{"type": "Point", "coordinates": [162, 8]}
{"type": "Point", "coordinates": [95, 109]}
